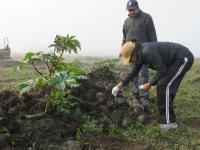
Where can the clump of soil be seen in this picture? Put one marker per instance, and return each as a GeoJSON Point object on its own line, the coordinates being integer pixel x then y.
{"type": "Point", "coordinates": [57, 130]}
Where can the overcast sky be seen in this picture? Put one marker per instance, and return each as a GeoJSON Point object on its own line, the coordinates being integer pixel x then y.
{"type": "Point", "coordinates": [33, 24]}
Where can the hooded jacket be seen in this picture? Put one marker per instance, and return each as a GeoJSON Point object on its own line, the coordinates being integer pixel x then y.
{"type": "Point", "coordinates": [158, 56]}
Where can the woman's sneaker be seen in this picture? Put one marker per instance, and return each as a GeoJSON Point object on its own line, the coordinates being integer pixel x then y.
{"type": "Point", "coordinates": [169, 126]}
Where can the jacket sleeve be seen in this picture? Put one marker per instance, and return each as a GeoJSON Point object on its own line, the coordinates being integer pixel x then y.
{"type": "Point", "coordinates": [156, 61]}
{"type": "Point", "coordinates": [151, 31]}
{"type": "Point", "coordinates": [124, 35]}
{"type": "Point", "coordinates": [132, 72]}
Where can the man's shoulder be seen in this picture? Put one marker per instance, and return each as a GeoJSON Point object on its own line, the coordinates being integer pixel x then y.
{"type": "Point", "coordinates": [128, 20]}
{"type": "Point", "coordinates": [145, 14]}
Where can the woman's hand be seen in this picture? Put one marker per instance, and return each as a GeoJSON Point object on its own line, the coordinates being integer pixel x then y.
{"type": "Point", "coordinates": [145, 86]}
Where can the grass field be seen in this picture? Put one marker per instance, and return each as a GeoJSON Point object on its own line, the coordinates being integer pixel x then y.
{"type": "Point", "coordinates": [187, 109]}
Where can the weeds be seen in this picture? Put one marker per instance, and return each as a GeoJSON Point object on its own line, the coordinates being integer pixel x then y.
{"type": "Point", "coordinates": [4, 130]}
{"type": "Point", "coordinates": [113, 130]}
{"type": "Point", "coordinates": [79, 135]}
{"type": "Point", "coordinates": [153, 132]}
{"type": "Point", "coordinates": [133, 132]}
{"type": "Point", "coordinates": [89, 127]}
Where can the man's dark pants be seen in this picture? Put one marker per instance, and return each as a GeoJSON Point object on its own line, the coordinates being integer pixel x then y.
{"type": "Point", "coordinates": [141, 78]}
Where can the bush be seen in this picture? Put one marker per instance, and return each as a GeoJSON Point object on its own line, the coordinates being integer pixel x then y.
{"type": "Point", "coordinates": [59, 77]}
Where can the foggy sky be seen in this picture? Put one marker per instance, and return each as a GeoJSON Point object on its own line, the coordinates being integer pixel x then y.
{"type": "Point", "coordinates": [97, 24]}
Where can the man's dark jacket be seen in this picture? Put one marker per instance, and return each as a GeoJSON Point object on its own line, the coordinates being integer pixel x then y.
{"type": "Point", "coordinates": [140, 27]}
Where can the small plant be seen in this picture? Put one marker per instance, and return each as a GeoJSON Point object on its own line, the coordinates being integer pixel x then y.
{"type": "Point", "coordinates": [4, 130]}
{"type": "Point", "coordinates": [58, 77]}
{"type": "Point", "coordinates": [77, 114]}
{"type": "Point", "coordinates": [79, 135]}
{"type": "Point", "coordinates": [91, 127]}
{"type": "Point", "coordinates": [113, 130]}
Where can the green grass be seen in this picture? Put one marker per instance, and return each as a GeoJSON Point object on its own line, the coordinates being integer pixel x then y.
{"type": "Point", "coordinates": [187, 104]}
{"type": "Point", "coordinates": [90, 127]}
{"type": "Point", "coordinates": [8, 79]}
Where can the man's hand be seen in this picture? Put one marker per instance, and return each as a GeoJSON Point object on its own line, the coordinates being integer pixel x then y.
{"type": "Point", "coordinates": [115, 90]}
{"type": "Point", "coordinates": [145, 86]}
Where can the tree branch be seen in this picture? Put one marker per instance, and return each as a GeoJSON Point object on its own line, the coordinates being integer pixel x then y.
{"type": "Point", "coordinates": [50, 68]}
{"type": "Point", "coordinates": [32, 62]}
{"type": "Point", "coordinates": [61, 55]}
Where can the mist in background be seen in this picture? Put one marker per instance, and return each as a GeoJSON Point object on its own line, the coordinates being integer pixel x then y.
{"type": "Point", "coordinates": [31, 25]}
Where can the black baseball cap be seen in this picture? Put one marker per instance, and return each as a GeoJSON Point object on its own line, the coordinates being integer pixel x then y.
{"type": "Point", "coordinates": [131, 4]}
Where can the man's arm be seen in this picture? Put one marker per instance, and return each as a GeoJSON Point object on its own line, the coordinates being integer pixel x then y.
{"type": "Point", "coordinates": [151, 31]}
{"type": "Point", "coordinates": [124, 35]}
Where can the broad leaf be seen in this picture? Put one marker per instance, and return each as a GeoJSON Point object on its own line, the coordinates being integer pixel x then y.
{"type": "Point", "coordinates": [28, 57]}
{"type": "Point", "coordinates": [26, 86]}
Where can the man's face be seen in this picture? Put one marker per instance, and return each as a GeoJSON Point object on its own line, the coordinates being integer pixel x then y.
{"type": "Point", "coordinates": [133, 11]}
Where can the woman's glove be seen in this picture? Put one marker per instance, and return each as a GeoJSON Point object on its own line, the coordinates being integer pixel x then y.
{"type": "Point", "coordinates": [116, 89]}
{"type": "Point", "coordinates": [145, 86]}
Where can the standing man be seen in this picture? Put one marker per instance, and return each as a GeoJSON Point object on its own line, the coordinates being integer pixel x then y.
{"type": "Point", "coordinates": [139, 25]}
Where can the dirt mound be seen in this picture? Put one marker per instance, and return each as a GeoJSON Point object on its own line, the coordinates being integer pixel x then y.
{"type": "Point", "coordinates": [52, 129]}
{"type": "Point", "coordinates": [96, 100]}
{"type": "Point", "coordinates": [57, 130]}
